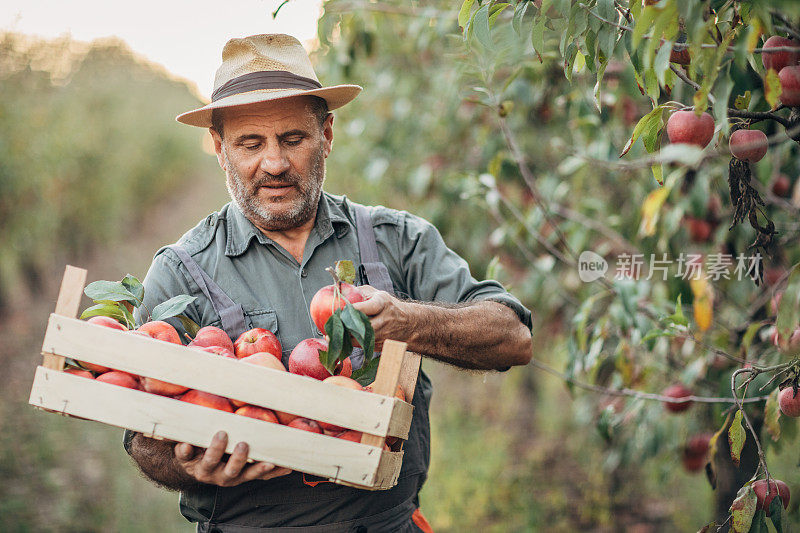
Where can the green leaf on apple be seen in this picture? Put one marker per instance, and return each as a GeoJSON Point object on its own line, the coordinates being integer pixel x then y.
{"type": "Point", "coordinates": [777, 513]}
{"type": "Point", "coordinates": [366, 374]}
{"type": "Point", "coordinates": [135, 287]}
{"type": "Point", "coordinates": [172, 307]}
{"type": "Point", "coordinates": [110, 290]}
{"type": "Point", "coordinates": [189, 325]}
{"type": "Point", "coordinates": [759, 524]}
{"type": "Point", "coordinates": [743, 509]}
{"type": "Point", "coordinates": [339, 344]}
{"type": "Point", "coordinates": [110, 309]}
{"type": "Point", "coordinates": [345, 271]}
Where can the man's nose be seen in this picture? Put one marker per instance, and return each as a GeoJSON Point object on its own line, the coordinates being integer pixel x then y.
{"type": "Point", "coordinates": [274, 161]}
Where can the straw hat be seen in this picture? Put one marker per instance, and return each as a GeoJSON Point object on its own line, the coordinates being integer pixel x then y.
{"type": "Point", "coordinates": [265, 67]}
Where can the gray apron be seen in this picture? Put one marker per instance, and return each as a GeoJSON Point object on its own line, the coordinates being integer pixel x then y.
{"type": "Point", "coordinates": [288, 500]}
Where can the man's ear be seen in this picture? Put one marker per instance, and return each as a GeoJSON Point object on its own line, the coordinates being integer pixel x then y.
{"type": "Point", "coordinates": [218, 148]}
{"type": "Point", "coordinates": [327, 132]}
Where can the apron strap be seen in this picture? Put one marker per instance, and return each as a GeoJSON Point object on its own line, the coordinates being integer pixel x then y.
{"type": "Point", "coordinates": [230, 313]}
{"type": "Point", "coordinates": [373, 270]}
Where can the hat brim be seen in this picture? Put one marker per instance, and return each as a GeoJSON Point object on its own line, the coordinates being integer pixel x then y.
{"type": "Point", "coordinates": [336, 96]}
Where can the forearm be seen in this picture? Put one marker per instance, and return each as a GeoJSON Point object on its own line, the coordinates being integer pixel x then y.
{"type": "Point", "coordinates": [482, 335]}
{"type": "Point", "coordinates": [156, 460]}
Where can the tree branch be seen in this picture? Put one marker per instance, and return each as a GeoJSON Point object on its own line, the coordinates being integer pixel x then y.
{"type": "Point", "coordinates": [642, 395]}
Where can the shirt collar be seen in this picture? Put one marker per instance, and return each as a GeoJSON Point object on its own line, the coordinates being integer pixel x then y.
{"type": "Point", "coordinates": [331, 218]}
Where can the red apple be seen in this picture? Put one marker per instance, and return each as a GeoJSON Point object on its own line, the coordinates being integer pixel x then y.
{"type": "Point", "coordinates": [117, 377]}
{"type": "Point", "coordinates": [206, 399]}
{"type": "Point", "coordinates": [79, 372]}
{"type": "Point", "coordinates": [789, 402]}
{"type": "Point", "coordinates": [212, 336]}
{"type": "Point", "coordinates": [304, 360]}
{"type": "Point", "coordinates": [776, 486]}
{"type": "Point", "coordinates": [749, 145]}
{"type": "Point", "coordinates": [350, 434]}
{"type": "Point", "coordinates": [106, 322]}
{"type": "Point", "coordinates": [685, 127]}
{"type": "Point", "coordinates": [219, 350]}
{"type": "Point", "coordinates": [324, 302]}
{"type": "Point", "coordinates": [699, 230]}
{"type": "Point", "coordinates": [782, 186]}
{"type": "Point", "coordinates": [160, 330]}
{"type": "Point", "coordinates": [777, 60]}
{"type": "Point", "coordinates": [261, 413]}
{"type": "Point", "coordinates": [162, 388]}
{"type": "Point", "coordinates": [305, 424]}
{"type": "Point", "coordinates": [340, 381]}
{"type": "Point", "coordinates": [257, 340]}
{"type": "Point", "coordinates": [695, 452]}
{"type": "Point", "coordinates": [790, 85]}
{"type": "Point", "coordinates": [677, 391]}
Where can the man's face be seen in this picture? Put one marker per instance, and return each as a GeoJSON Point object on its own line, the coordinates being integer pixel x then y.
{"type": "Point", "coordinates": [274, 156]}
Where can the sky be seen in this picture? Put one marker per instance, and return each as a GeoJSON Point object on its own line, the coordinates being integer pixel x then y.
{"type": "Point", "coordinates": [185, 36]}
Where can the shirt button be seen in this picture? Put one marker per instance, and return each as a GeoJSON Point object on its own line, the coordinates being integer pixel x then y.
{"type": "Point", "coordinates": [303, 273]}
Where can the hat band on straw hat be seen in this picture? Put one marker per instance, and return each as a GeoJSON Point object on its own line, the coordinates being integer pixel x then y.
{"type": "Point", "coordinates": [273, 79]}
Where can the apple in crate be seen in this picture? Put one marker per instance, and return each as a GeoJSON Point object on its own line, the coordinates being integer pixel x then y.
{"type": "Point", "coordinates": [255, 341]}
{"type": "Point", "coordinates": [304, 360]}
{"type": "Point", "coordinates": [117, 377]}
{"type": "Point", "coordinates": [160, 330]}
{"type": "Point", "coordinates": [212, 336]}
{"type": "Point", "coordinates": [206, 399]}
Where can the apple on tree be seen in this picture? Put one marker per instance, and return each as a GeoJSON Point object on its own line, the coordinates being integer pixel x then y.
{"type": "Point", "coordinates": [748, 145]}
{"type": "Point", "coordinates": [776, 60]}
{"type": "Point", "coordinates": [685, 127]}
{"type": "Point", "coordinates": [678, 391]}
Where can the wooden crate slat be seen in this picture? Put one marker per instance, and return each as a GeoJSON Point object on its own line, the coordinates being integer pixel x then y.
{"type": "Point", "coordinates": [68, 303]}
{"type": "Point", "coordinates": [386, 379]}
{"type": "Point", "coordinates": [358, 410]}
{"type": "Point", "coordinates": [175, 420]}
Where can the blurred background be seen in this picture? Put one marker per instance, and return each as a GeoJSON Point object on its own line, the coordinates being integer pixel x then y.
{"type": "Point", "coordinates": [95, 172]}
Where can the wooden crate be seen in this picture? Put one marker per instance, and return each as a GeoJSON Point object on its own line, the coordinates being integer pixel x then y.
{"type": "Point", "coordinates": [377, 415]}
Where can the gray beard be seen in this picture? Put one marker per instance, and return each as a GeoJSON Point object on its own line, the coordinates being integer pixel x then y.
{"type": "Point", "coordinates": [259, 212]}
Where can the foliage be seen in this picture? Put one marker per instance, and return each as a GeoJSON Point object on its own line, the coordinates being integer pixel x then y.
{"type": "Point", "coordinates": [79, 159]}
{"type": "Point", "coordinates": [520, 115]}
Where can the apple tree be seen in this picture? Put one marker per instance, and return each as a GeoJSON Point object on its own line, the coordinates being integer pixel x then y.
{"type": "Point", "coordinates": [701, 306]}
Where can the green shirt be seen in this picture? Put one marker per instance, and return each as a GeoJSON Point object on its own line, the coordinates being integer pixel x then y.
{"type": "Point", "coordinates": [275, 290]}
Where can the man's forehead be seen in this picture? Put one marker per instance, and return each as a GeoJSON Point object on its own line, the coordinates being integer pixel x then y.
{"type": "Point", "coordinates": [294, 111]}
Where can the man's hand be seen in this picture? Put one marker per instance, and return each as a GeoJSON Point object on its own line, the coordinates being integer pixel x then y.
{"type": "Point", "coordinates": [387, 314]}
{"type": "Point", "coordinates": [208, 466]}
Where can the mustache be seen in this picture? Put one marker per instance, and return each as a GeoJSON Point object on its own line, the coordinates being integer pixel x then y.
{"type": "Point", "coordinates": [285, 178]}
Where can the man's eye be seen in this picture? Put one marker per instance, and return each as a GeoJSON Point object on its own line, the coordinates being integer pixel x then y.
{"type": "Point", "coordinates": [252, 147]}
{"type": "Point", "coordinates": [294, 141]}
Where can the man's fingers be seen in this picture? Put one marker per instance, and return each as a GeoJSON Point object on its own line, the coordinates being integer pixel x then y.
{"type": "Point", "coordinates": [374, 304]}
{"type": "Point", "coordinates": [237, 460]}
{"type": "Point", "coordinates": [213, 454]}
{"type": "Point", "coordinates": [366, 290]}
{"type": "Point", "coordinates": [184, 451]}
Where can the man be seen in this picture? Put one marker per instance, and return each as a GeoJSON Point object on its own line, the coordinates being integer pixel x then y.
{"type": "Point", "coordinates": [260, 259]}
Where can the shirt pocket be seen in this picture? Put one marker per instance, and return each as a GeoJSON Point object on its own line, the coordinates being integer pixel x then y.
{"type": "Point", "coordinates": [265, 319]}
{"type": "Point", "coordinates": [262, 318]}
